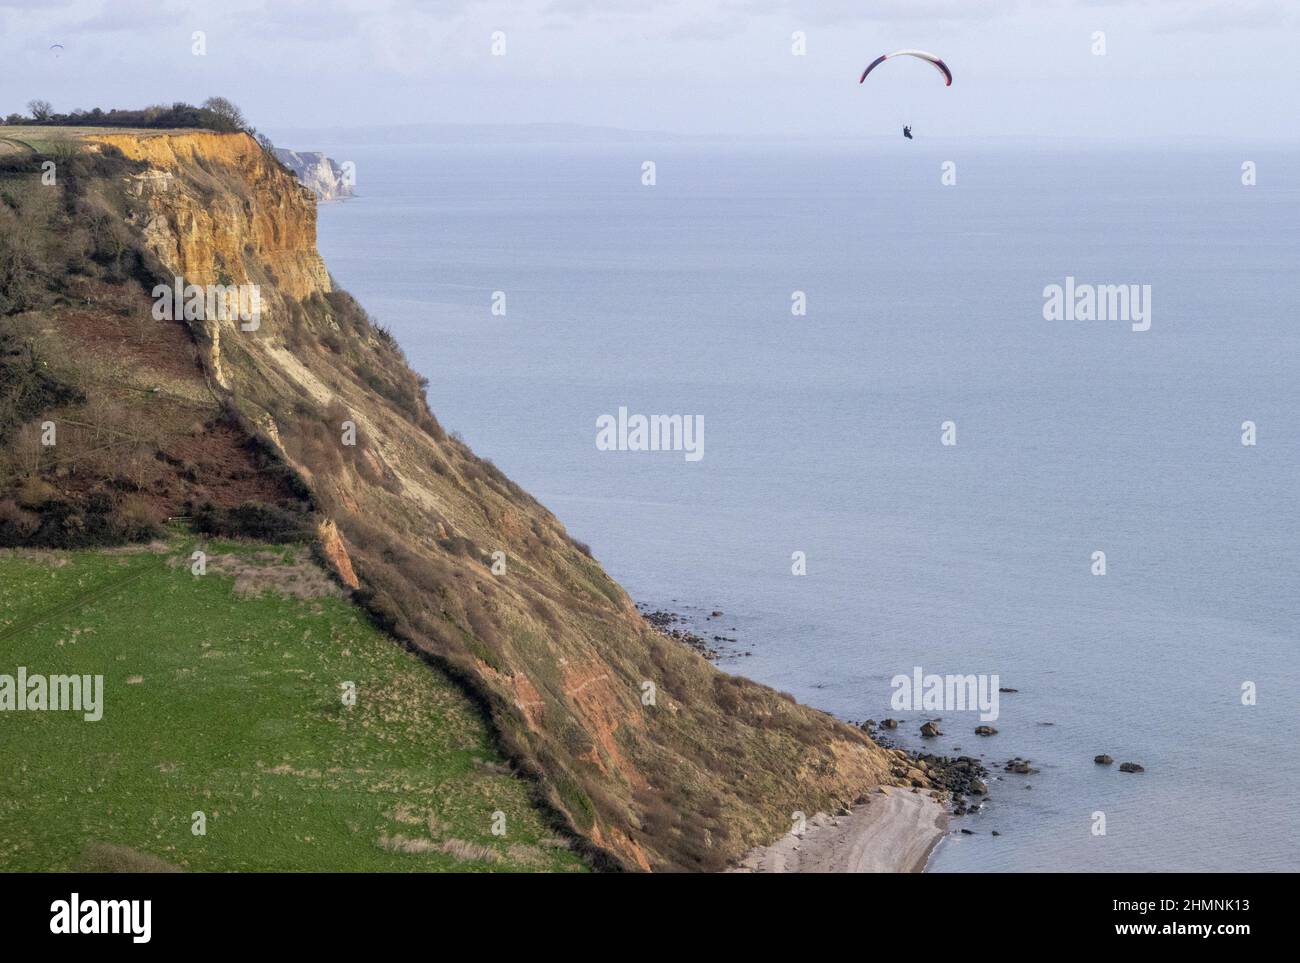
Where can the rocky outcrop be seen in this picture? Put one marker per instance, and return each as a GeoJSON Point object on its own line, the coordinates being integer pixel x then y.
{"type": "Point", "coordinates": [336, 554]}
{"type": "Point", "coordinates": [326, 178]}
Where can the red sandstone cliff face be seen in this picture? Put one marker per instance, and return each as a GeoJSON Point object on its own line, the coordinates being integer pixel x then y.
{"type": "Point", "coordinates": [556, 651]}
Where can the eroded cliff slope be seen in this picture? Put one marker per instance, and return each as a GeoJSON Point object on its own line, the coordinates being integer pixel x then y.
{"type": "Point", "coordinates": [409, 516]}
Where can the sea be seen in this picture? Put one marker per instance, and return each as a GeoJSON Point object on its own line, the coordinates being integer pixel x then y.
{"type": "Point", "coordinates": [891, 408]}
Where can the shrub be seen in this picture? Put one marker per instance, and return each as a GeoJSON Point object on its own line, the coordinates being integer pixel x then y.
{"type": "Point", "coordinates": [257, 521]}
{"type": "Point", "coordinates": [138, 519]}
{"type": "Point", "coordinates": [34, 491]}
{"type": "Point", "coordinates": [17, 525]}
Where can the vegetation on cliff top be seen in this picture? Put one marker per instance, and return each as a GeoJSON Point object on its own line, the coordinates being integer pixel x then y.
{"type": "Point", "coordinates": [216, 113]}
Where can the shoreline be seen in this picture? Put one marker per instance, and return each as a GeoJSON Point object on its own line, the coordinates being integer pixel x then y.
{"type": "Point", "coordinates": [895, 831]}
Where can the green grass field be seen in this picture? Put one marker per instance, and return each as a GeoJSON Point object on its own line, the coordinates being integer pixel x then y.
{"type": "Point", "coordinates": [223, 695]}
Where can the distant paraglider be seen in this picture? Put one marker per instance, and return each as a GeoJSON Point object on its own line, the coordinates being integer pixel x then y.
{"type": "Point", "coordinates": [57, 50]}
{"type": "Point", "coordinates": [929, 58]}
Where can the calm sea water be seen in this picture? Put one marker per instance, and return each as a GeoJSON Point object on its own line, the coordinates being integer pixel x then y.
{"type": "Point", "coordinates": [822, 435]}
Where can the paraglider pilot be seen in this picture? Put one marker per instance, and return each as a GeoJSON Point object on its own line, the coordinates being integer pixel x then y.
{"type": "Point", "coordinates": [907, 131]}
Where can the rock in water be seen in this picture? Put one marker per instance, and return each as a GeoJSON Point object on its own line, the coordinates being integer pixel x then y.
{"type": "Point", "coordinates": [930, 730]}
{"type": "Point", "coordinates": [1130, 767]}
{"type": "Point", "coordinates": [1103, 760]}
{"type": "Point", "coordinates": [985, 731]}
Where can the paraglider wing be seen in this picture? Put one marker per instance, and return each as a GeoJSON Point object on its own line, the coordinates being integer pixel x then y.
{"type": "Point", "coordinates": [872, 66]}
{"type": "Point", "coordinates": [929, 58]}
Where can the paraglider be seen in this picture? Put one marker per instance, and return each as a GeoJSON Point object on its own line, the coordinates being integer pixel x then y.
{"type": "Point", "coordinates": [56, 49]}
{"type": "Point", "coordinates": [929, 58]}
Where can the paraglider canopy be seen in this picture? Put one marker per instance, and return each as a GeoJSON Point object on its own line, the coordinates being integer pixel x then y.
{"type": "Point", "coordinates": [929, 58]}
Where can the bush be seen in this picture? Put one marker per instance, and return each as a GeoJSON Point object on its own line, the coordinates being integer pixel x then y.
{"type": "Point", "coordinates": [34, 492]}
{"type": "Point", "coordinates": [139, 520]}
{"type": "Point", "coordinates": [256, 521]}
{"type": "Point", "coordinates": [16, 524]}
{"type": "Point", "coordinates": [60, 523]}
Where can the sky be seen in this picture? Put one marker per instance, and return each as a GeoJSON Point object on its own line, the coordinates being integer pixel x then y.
{"type": "Point", "coordinates": [1022, 68]}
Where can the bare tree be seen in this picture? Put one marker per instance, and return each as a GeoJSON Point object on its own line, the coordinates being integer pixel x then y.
{"type": "Point", "coordinates": [231, 117]}
{"type": "Point", "coordinates": [39, 109]}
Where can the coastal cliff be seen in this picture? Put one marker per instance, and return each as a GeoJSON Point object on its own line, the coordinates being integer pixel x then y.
{"type": "Point", "coordinates": [326, 179]}
{"type": "Point", "coordinates": [313, 420]}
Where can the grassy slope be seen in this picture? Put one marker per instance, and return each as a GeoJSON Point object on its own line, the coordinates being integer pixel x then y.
{"type": "Point", "coordinates": [239, 715]}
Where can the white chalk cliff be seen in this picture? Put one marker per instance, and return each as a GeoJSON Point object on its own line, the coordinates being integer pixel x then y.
{"type": "Point", "coordinates": [325, 177]}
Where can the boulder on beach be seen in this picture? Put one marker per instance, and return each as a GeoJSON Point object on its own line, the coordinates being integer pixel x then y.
{"type": "Point", "coordinates": [889, 724]}
{"type": "Point", "coordinates": [1102, 760]}
{"type": "Point", "coordinates": [978, 787]}
{"type": "Point", "coordinates": [1130, 767]}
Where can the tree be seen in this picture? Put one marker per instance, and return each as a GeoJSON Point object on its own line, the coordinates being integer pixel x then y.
{"type": "Point", "coordinates": [40, 109]}
{"type": "Point", "coordinates": [230, 116]}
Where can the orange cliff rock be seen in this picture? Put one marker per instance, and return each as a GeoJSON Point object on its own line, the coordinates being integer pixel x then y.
{"type": "Point", "coordinates": [269, 223]}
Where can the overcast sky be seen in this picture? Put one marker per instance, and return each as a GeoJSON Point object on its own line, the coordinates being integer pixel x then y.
{"type": "Point", "coordinates": [1220, 68]}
